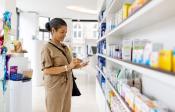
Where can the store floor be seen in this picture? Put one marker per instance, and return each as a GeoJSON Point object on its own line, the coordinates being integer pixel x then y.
{"type": "Point", "coordinates": [84, 103]}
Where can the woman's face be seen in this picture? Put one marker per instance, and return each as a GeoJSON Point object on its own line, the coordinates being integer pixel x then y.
{"type": "Point", "coordinates": [60, 34]}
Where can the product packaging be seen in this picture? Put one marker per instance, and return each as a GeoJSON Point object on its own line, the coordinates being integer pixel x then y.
{"type": "Point", "coordinates": [147, 54]}
{"type": "Point", "coordinates": [103, 29]}
{"type": "Point", "coordinates": [137, 5]}
{"type": "Point", "coordinates": [144, 104]}
{"type": "Point", "coordinates": [135, 50]}
{"type": "Point", "coordinates": [120, 16]}
{"type": "Point", "coordinates": [138, 50]}
{"type": "Point", "coordinates": [124, 89]}
{"type": "Point", "coordinates": [116, 19]}
{"type": "Point", "coordinates": [165, 60]}
{"type": "Point", "coordinates": [127, 50]}
{"type": "Point", "coordinates": [174, 60]}
{"type": "Point", "coordinates": [28, 73]}
{"type": "Point", "coordinates": [119, 87]}
{"type": "Point", "coordinates": [1, 42]}
{"type": "Point", "coordinates": [154, 58]}
{"type": "Point", "coordinates": [126, 7]}
{"type": "Point", "coordinates": [129, 97]}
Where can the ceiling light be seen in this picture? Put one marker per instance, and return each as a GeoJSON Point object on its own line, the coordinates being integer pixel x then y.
{"type": "Point", "coordinates": [81, 9]}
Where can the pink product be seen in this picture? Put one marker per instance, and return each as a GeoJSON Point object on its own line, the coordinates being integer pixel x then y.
{"type": "Point", "coordinates": [1, 40]}
{"type": "Point", "coordinates": [13, 70]}
{"type": "Point", "coordinates": [124, 89]}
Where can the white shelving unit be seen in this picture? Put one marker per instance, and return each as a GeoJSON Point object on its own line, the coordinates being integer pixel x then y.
{"type": "Point", "coordinates": [112, 8]}
{"type": "Point", "coordinates": [102, 99]}
{"type": "Point", "coordinates": [156, 10]}
{"type": "Point", "coordinates": [156, 22]}
{"type": "Point", "coordinates": [164, 77]}
{"type": "Point", "coordinates": [116, 93]}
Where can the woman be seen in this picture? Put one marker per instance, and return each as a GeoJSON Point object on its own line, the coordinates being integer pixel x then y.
{"type": "Point", "coordinates": [57, 65]}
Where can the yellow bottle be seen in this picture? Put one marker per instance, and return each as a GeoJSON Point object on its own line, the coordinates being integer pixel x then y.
{"type": "Point", "coordinates": [126, 7]}
{"type": "Point", "coordinates": [165, 60]}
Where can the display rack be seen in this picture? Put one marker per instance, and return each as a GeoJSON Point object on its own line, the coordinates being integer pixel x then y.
{"type": "Point", "coordinates": [154, 21]}
{"type": "Point", "coordinates": [107, 104]}
{"type": "Point", "coordinates": [156, 10]}
{"type": "Point", "coordinates": [168, 77]}
{"type": "Point", "coordinates": [112, 8]}
{"type": "Point", "coordinates": [116, 93]}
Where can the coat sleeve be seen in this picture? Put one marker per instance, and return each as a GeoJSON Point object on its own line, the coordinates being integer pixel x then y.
{"type": "Point", "coordinates": [46, 60]}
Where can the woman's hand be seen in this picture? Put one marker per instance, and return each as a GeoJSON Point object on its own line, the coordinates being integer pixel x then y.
{"type": "Point", "coordinates": [75, 62]}
{"type": "Point", "coordinates": [81, 65]}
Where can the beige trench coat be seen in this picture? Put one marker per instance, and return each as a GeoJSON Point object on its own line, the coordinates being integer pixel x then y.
{"type": "Point", "coordinates": [58, 87]}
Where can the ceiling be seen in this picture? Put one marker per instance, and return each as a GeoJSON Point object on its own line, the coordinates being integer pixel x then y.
{"type": "Point", "coordinates": [57, 8]}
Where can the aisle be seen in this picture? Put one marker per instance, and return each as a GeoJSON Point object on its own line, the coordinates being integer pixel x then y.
{"type": "Point", "coordinates": [86, 83]}
{"type": "Point", "coordinates": [85, 103]}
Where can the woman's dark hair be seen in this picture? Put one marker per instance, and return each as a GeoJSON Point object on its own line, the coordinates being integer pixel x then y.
{"type": "Point", "coordinates": [55, 23]}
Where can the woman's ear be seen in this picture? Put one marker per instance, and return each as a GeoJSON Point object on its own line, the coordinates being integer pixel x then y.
{"type": "Point", "coordinates": [53, 30]}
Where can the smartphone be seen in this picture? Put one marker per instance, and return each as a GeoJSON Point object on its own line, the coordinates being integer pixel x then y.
{"type": "Point", "coordinates": [85, 61]}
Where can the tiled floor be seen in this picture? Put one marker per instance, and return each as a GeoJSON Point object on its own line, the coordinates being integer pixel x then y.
{"type": "Point", "coordinates": [84, 103]}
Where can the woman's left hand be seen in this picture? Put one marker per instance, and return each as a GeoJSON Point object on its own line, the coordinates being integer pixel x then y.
{"type": "Point", "coordinates": [81, 65]}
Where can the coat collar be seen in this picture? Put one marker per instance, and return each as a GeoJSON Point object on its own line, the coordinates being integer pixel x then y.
{"type": "Point", "coordinates": [60, 45]}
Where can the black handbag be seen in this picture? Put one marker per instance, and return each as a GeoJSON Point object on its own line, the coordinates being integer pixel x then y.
{"type": "Point", "coordinates": [75, 90]}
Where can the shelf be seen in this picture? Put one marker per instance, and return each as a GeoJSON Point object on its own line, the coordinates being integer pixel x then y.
{"type": "Point", "coordinates": [103, 93]}
{"type": "Point", "coordinates": [114, 7]}
{"type": "Point", "coordinates": [102, 38]}
{"type": "Point", "coordinates": [118, 96]}
{"type": "Point", "coordinates": [101, 72]}
{"type": "Point", "coordinates": [103, 20]}
{"type": "Point", "coordinates": [161, 75]}
{"type": "Point", "coordinates": [153, 12]}
{"type": "Point", "coordinates": [101, 55]}
{"type": "Point", "coordinates": [102, 7]}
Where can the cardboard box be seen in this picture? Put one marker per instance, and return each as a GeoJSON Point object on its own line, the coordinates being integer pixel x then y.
{"type": "Point", "coordinates": [127, 50]}
{"type": "Point", "coordinates": [138, 50]}
{"type": "Point", "coordinates": [28, 73]}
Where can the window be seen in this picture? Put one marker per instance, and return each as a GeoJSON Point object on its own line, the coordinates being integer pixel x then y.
{"type": "Point", "coordinates": [75, 34]}
{"type": "Point", "coordinates": [95, 34]}
{"type": "Point", "coordinates": [43, 33]}
{"type": "Point", "coordinates": [95, 31]}
{"type": "Point", "coordinates": [77, 50]}
{"type": "Point", "coordinates": [18, 22]}
{"type": "Point", "coordinates": [40, 37]}
{"type": "Point", "coordinates": [42, 22]}
{"type": "Point", "coordinates": [79, 34]}
{"type": "Point", "coordinates": [75, 26]}
{"type": "Point", "coordinates": [95, 26]}
{"type": "Point", "coordinates": [77, 30]}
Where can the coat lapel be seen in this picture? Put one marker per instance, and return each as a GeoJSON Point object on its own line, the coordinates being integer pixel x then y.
{"type": "Point", "coordinates": [64, 48]}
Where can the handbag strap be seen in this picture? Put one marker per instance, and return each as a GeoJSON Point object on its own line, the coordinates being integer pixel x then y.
{"type": "Point", "coordinates": [59, 50]}
{"type": "Point", "coordinates": [64, 55]}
